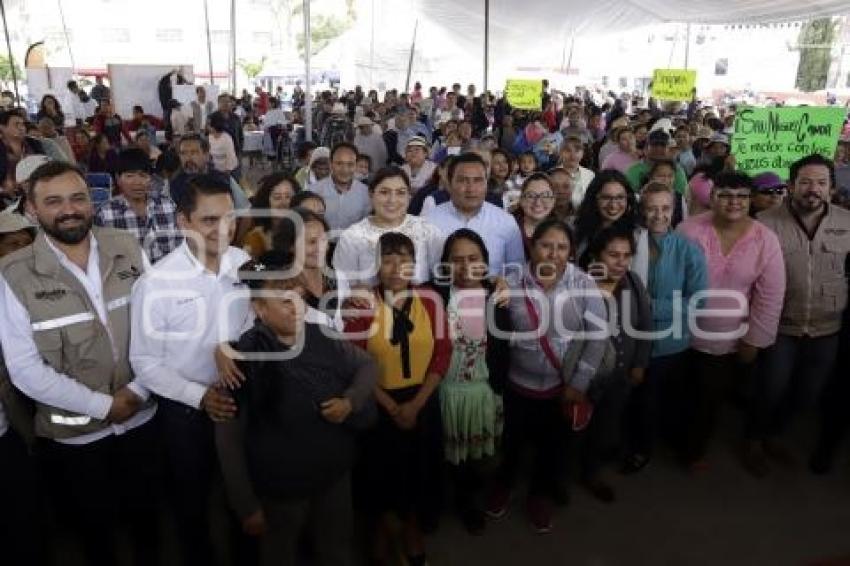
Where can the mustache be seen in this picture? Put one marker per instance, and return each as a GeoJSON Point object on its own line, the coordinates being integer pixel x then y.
{"type": "Point", "coordinates": [60, 219]}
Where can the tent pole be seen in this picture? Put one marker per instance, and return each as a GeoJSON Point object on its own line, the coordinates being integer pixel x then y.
{"type": "Point", "coordinates": [308, 96]}
{"type": "Point", "coordinates": [233, 45]}
{"type": "Point", "coordinates": [688, 45]}
{"type": "Point", "coordinates": [486, 42]}
{"type": "Point", "coordinates": [65, 33]}
{"type": "Point", "coordinates": [209, 42]}
{"type": "Point", "coordinates": [11, 59]}
{"type": "Point", "coordinates": [372, 50]}
{"type": "Point", "coordinates": [410, 61]}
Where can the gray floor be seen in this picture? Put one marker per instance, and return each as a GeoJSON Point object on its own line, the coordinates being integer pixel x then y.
{"type": "Point", "coordinates": [664, 516]}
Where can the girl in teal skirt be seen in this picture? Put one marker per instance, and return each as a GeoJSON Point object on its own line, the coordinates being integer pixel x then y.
{"type": "Point", "coordinates": [470, 393]}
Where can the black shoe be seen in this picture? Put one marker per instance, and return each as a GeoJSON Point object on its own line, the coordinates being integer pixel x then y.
{"type": "Point", "coordinates": [473, 520]}
{"type": "Point", "coordinates": [601, 490]}
{"type": "Point", "coordinates": [419, 560]}
{"type": "Point", "coordinates": [634, 463]}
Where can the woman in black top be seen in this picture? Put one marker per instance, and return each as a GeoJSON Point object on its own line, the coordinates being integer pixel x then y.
{"type": "Point", "coordinates": [287, 456]}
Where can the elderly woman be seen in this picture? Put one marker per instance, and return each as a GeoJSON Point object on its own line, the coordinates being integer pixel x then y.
{"type": "Point", "coordinates": [538, 396]}
{"type": "Point", "coordinates": [408, 336]}
{"type": "Point", "coordinates": [677, 272]}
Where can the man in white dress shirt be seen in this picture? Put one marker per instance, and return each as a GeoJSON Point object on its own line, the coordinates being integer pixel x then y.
{"type": "Point", "coordinates": [467, 209]}
{"type": "Point", "coordinates": [184, 306]}
{"type": "Point", "coordinates": [64, 302]}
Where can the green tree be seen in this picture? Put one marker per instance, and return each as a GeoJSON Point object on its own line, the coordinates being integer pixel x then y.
{"type": "Point", "coordinates": [6, 69]}
{"type": "Point", "coordinates": [815, 44]}
{"type": "Point", "coordinates": [251, 69]}
{"type": "Point", "coordinates": [324, 30]}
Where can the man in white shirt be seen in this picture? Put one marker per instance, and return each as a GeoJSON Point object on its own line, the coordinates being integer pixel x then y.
{"type": "Point", "coordinates": [418, 167]}
{"type": "Point", "coordinates": [64, 302]}
{"type": "Point", "coordinates": [467, 209]}
{"type": "Point", "coordinates": [275, 116]}
{"type": "Point", "coordinates": [346, 199]}
{"type": "Point", "coordinates": [182, 308]}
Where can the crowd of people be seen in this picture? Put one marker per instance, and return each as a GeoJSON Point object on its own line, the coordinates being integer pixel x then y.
{"type": "Point", "coordinates": [395, 316]}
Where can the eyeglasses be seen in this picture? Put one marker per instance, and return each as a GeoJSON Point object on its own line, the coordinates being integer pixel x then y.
{"type": "Point", "coordinates": [541, 197]}
{"type": "Point", "coordinates": [729, 197]}
{"type": "Point", "coordinates": [609, 199]}
{"type": "Point", "coordinates": [771, 191]}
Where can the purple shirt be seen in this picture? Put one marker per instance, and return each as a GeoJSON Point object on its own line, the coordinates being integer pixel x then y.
{"type": "Point", "coordinates": [755, 269]}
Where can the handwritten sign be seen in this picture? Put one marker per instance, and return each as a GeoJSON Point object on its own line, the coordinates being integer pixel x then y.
{"type": "Point", "coordinates": [524, 94]}
{"type": "Point", "coordinates": [673, 84]}
{"type": "Point", "coordinates": [771, 139]}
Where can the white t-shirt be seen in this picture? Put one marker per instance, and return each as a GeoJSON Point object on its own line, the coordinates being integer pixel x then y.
{"type": "Point", "coordinates": [222, 152]}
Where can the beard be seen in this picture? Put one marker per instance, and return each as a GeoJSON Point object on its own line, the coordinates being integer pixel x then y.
{"type": "Point", "coordinates": [69, 236]}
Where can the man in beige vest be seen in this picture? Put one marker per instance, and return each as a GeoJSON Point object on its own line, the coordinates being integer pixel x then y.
{"type": "Point", "coordinates": [64, 301]}
{"type": "Point", "coordinates": [815, 238]}
{"type": "Point", "coordinates": [21, 529]}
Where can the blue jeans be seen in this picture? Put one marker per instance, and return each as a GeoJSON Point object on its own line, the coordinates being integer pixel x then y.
{"type": "Point", "coordinates": [791, 377]}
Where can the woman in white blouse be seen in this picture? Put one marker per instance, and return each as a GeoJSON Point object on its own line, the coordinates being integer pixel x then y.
{"type": "Point", "coordinates": [221, 146]}
{"type": "Point", "coordinates": [355, 254]}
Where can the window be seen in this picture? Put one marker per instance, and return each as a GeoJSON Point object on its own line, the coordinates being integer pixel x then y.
{"type": "Point", "coordinates": [262, 37]}
{"type": "Point", "coordinates": [169, 35]}
{"type": "Point", "coordinates": [721, 67]}
{"type": "Point", "coordinates": [115, 35]}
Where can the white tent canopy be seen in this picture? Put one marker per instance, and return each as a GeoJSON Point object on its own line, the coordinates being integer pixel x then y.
{"type": "Point", "coordinates": [526, 34]}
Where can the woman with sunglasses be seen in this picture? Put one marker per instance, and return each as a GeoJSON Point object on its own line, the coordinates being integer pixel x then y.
{"type": "Point", "coordinates": [769, 192]}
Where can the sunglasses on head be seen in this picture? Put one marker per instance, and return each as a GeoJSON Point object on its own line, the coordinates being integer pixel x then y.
{"type": "Point", "coordinates": [771, 191]}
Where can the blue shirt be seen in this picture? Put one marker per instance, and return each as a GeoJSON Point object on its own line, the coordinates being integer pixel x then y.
{"type": "Point", "coordinates": [342, 209]}
{"type": "Point", "coordinates": [679, 267]}
{"type": "Point", "coordinates": [496, 227]}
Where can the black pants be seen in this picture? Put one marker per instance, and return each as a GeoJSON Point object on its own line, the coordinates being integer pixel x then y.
{"type": "Point", "coordinates": [328, 518]}
{"type": "Point", "coordinates": [23, 525]}
{"type": "Point", "coordinates": [655, 404]}
{"type": "Point", "coordinates": [187, 436]}
{"type": "Point", "coordinates": [538, 423]}
{"type": "Point", "coordinates": [99, 485]}
{"type": "Point", "coordinates": [602, 440]}
{"type": "Point", "coordinates": [714, 378]}
{"type": "Point", "coordinates": [791, 377]}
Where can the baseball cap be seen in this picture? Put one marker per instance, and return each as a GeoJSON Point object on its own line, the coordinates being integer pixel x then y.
{"type": "Point", "coordinates": [13, 222]}
{"type": "Point", "coordinates": [27, 165]}
{"type": "Point", "coordinates": [659, 137]}
{"type": "Point", "coordinates": [418, 141]}
{"type": "Point", "coordinates": [363, 121]}
{"type": "Point", "coordinates": [719, 138]}
{"type": "Point", "coordinates": [768, 180]}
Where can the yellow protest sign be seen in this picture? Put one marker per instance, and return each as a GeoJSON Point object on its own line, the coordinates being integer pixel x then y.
{"type": "Point", "coordinates": [673, 84]}
{"type": "Point", "coordinates": [524, 94]}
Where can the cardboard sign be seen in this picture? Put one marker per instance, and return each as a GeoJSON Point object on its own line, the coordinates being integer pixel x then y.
{"type": "Point", "coordinates": [771, 139]}
{"type": "Point", "coordinates": [673, 84]}
{"type": "Point", "coordinates": [524, 94]}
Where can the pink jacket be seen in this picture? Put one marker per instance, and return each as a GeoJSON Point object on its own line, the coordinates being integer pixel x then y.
{"type": "Point", "coordinates": [755, 270]}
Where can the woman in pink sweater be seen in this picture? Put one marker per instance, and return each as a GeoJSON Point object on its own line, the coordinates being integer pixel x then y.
{"type": "Point", "coordinates": [746, 282]}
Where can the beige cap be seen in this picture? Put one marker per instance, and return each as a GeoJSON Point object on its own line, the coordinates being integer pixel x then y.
{"type": "Point", "coordinates": [27, 165]}
{"type": "Point", "coordinates": [13, 222]}
{"type": "Point", "coordinates": [363, 121]}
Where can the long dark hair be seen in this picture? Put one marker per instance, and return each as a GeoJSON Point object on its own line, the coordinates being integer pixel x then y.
{"type": "Point", "coordinates": [589, 221]}
{"type": "Point", "coordinates": [42, 110]}
{"type": "Point", "coordinates": [266, 186]}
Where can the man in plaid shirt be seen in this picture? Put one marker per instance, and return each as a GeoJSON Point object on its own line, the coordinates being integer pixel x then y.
{"type": "Point", "coordinates": [138, 209]}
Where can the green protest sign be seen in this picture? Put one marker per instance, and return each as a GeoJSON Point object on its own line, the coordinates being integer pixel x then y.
{"type": "Point", "coordinates": [673, 84]}
{"type": "Point", "coordinates": [524, 94]}
{"type": "Point", "coordinates": [771, 139]}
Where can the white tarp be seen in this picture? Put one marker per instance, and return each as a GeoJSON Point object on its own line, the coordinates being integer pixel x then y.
{"type": "Point", "coordinates": [532, 35]}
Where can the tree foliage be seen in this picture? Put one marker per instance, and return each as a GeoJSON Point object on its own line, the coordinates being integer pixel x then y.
{"type": "Point", "coordinates": [6, 69]}
{"type": "Point", "coordinates": [252, 68]}
{"type": "Point", "coordinates": [816, 41]}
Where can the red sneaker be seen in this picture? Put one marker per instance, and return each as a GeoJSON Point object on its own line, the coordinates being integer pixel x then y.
{"type": "Point", "coordinates": [497, 502]}
{"type": "Point", "coordinates": [540, 514]}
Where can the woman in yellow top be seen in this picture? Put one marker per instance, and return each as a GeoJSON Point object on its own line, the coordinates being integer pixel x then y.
{"type": "Point", "coordinates": [274, 195]}
{"type": "Point", "coordinates": [407, 333]}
